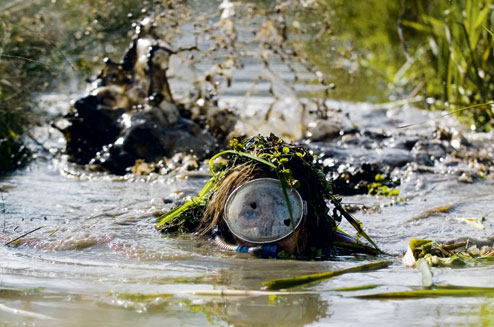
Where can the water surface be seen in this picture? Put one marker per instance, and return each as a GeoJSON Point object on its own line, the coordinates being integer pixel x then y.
{"type": "Point", "coordinates": [97, 237]}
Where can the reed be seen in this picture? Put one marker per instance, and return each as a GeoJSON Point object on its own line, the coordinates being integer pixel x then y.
{"type": "Point", "coordinates": [453, 56]}
{"type": "Point", "coordinates": [440, 52]}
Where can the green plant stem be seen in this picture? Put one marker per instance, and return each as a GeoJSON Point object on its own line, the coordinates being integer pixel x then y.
{"type": "Point", "coordinates": [354, 223]}
{"type": "Point", "coordinates": [436, 292]}
{"type": "Point", "coordinates": [288, 282]}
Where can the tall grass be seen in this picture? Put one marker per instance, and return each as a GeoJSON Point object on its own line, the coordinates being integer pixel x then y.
{"type": "Point", "coordinates": [453, 55]}
{"type": "Point", "coordinates": [441, 51]}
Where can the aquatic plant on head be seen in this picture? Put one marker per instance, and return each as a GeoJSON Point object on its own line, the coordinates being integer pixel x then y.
{"type": "Point", "coordinates": [267, 197]}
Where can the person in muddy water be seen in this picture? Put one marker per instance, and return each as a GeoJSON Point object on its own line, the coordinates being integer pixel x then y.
{"type": "Point", "coordinates": [269, 198]}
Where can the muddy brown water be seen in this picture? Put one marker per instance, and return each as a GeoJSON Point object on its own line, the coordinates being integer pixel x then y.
{"type": "Point", "coordinates": [97, 238]}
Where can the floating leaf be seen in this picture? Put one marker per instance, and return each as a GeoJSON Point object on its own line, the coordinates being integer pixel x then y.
{"type": "Point", "coordinates": [472, 222]}
{"type": "Point", "coordinates": [425, 272]}
{"type": "Point", "coordinates": [6, 292]}
{"type": "Point", "coordinates": [305, 279]}
{"type": "Point", "coordinates": [149, 297]}
{"type": "Point", "coordinates": [141, 297]}
{"type": "Point", "coordinates": [355, 288]}
{"type": "Point", "coordinates": [420, 247]}
{"type": "Point", "coordinates": [439, 291]}
{"type": "Point", "coordinates": [430, 212]}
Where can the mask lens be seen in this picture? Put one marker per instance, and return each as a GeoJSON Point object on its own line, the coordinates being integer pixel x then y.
{"type": "Point", "coordinates": [257, 211]}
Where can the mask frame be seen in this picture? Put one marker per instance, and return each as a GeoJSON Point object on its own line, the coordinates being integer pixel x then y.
{"type": "Point", "coordinates": [259, 207]}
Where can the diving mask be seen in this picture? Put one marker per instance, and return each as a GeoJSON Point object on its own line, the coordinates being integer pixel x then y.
{"type": "Point", "coordinates": [257, 211]}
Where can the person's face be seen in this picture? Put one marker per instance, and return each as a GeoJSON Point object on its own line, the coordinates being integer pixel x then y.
{"type": "Point", "coordinates": [287, 244]}
{"type": "Point", "coordinates": [258, 212]}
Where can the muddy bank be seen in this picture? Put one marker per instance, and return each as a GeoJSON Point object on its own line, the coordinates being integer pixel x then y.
{"type": "Point", "coordinates": [178, 89]}
{"type": "Point", "coordinates": [131, 114]}
{"type": "Point", "coordinates": [164, 95]}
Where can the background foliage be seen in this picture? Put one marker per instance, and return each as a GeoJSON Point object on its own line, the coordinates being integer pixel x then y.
{"type": "Point", "coordinates": [46, 46]}
{"type": "Point", "coordinates": [441, 51]}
